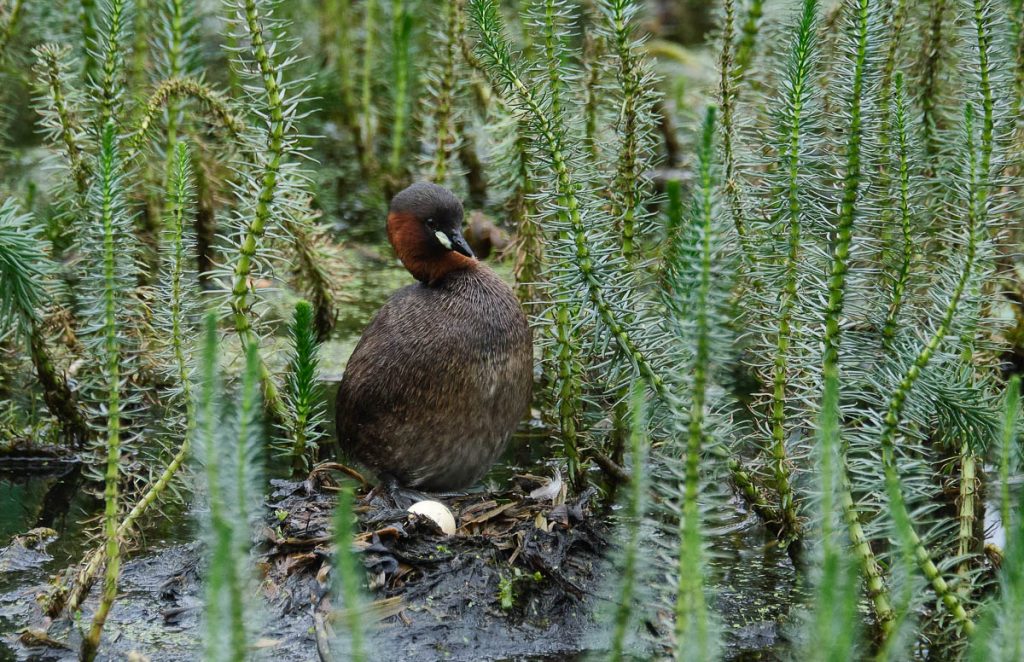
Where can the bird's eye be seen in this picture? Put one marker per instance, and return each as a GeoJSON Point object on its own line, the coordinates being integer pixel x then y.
{"type": "Point", "coordinates": [430, 223]}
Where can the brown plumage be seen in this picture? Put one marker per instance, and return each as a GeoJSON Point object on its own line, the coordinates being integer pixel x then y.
{"type": "Point", "coordinates": [443, 373]}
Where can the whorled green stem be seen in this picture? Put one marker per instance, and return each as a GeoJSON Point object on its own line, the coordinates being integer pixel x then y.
{"type": "Point", "coordinates": [897, 21]}
{"type": "Point", "coordinates": [110, 84]}
{"type": "Point", "coordinates": [628, 176]}
{"type": "Point", "coordinates": [800, 79]}
{"type": "Point", "coordinates": [108, 175]}
{"type": "Point", "coordinates": [401, 61]}
{"type": "Point", "coordinates": [303, 390]}
{"type": "Point", "coordinates": [899, 287]}
{"type": "Point", "coordinates": [496, 51]}
{"type": "Point", "coordinates": [172, 89]}
{"type": "Point", "coordinates": [90, 37]}
{"type": "Point", "coordinates": [179, 199]}
{"type": "Point", "coordinates": [1006, 450]}
{"type": "Point", "coordinates": [894, 409]}
{"type": "Point", "coordinates": [727, 99]}
{"type": "Point", "coordinates": [445, 96]}
{"type": "Point", "coordinates": [567, 389]}
{"type": "Point", "coordinates": [593, 49]}
{"type": "Point", "coordinates": [347, 576]}
{"type": "Point", "coordinates": [176, 18]}
{"type": "Point", "coordinates": [53, 73]}
{"type": "Point", "coordinates": [635, 509]}
{"type": "Point", "coordinates": [553, 52]}
{"type": "Point", "coordinates": [984, 43]}
{"type": "Point", "coordinates": [529, 236]}
{"type": "Point", "coordinates": [268, 191]}
{"type": "Point", "coordinates": [226, 461]}
{"type": "Point", "coordinates": [838, 267]}
{"type": "Point", "coordinates": [834, 619]}
{"type": "Point", "coordinates": [485, 15]}
{"type": "Point", "coordinates": [692, 630]}
{"type": "Point", "coordinates": [749, 31]}
{"type": "Point", "coordinates": [932, 54]}
{"type": "Point", "coordinates": [966, 540]}
{"type": "Point", "coordinates": [1017, 32]}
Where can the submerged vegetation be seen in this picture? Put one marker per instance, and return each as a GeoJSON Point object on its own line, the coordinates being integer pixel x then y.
{"type": "Point", "coordinates": [791, 289]}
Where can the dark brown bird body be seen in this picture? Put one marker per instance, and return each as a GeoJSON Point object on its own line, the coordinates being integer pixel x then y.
{"type": "Point", "coordinates": [443, 373]}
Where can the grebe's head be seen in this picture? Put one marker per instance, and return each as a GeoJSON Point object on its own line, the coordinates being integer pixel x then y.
{"type": "Point", "coordinates": [425, 228]}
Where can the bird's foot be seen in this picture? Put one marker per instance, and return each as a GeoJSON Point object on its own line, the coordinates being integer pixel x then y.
{"type": "Point", "coordinates": [394, 495]}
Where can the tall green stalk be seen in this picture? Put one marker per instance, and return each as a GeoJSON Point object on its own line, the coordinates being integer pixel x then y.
{"type": "Point", "coordinates": [693, 632]}
{"type": "Point", "coordinates": [179, 331]}
{"type": "Point", "coordinates": [226, 451]}
{"type": "Point", "coordinates": [348, 571]}
{"type": "Point", "coordinates": [268, 192]}
{"type": "Point", "coordinates": [748, 40]}
{"type": "Point", "coordinates": [401, 62]}
{"type": "Point", "coordinates": [833, 623]}
{"type": "Point", "coordinates": [968, 460]}
{"type": "Point", "coordinates": [932, 54]}
{"type": "Point", "coordinates": [894, 409]}
{"type": "Point", "coordinates": [107, 185]}
{"type": "Point", "coordinates": [111, 84]}
{"type": "Point", "coordinates": [496, 49]}
{"type": "Point", "coordinates": [838, 268]}
{"type": "Point", "coordinates": [366, 116]}
{"type": "Point", "coordinates": [445, 95]}
{"type": "Point", "coordinates": [635, 509]}
{"type": "Point", "coordinates": [1000, 635]}
{"type": "Point", "coordinates": [59, 115]}
{"type": "Point", "coordinates": [626, 203]}
{"type": "Point", "coordinates": [795, 103]}
{"type": "Point", "coordinates": [727, 100]}
{"type": "Point", "coordinates": [304, 398]}
{"type": "Point", "coordinates": [899, 287]}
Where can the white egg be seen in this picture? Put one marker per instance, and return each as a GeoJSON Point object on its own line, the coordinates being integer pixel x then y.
{"type": "Point", "coordinates": [437, 512]}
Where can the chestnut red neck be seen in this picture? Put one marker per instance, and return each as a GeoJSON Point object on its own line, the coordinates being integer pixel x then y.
{"type": "Point", "coordinates": [422, 257]}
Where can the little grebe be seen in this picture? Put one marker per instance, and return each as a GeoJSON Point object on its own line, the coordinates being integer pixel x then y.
{"type": "Point", "coordinates": [443, 373]}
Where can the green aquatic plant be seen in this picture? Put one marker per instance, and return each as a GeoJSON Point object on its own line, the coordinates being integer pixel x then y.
{"type": "Point", "coordinates": [272, 186]}
{"type": "Point", "coordinates": [636, 508]}
{"type": "Point", "coordinates": [698, 289]}
{"type": "Point", "coordinates": [350, 644]}
{"type": "Point", "coordinates": [402, 26]}
{"type": "Point", "coordinates": [304, 401]}
{"type": "Point", "coordinates": [112, 224]}
{"type": "Point", "coordinates": [635, 133]}
{"type": "Point", "coordinates": [830, 629]}
{"type": "Point", "coordinates": [25, 269]}
{"type": "Point", "coordinates": [444, 95]}
{"type": "Point", "coordinates": [227, 444]}
{"type": "Point", "coordinates": [1000, 635]}
{"type": "Point", "coordinates": [749, 33]}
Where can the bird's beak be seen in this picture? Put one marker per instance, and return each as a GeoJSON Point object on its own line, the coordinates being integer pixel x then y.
{"type": "Point", "coordinates": [459, 244]}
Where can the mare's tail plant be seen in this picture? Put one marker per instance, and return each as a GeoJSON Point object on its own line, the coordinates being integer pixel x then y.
{"type": "Point", "coordinates": [304, 401]}
{"type": "Point", "coordinates": [630, 568]}
{"type": "Point", "coordinates": [112, 344]}
{"type": "Point", "coordinates": [270, 191]}
{"type": "Point", "coordinates": [1000, 635]}
{"type": "Point", "coordinates": [698, 285]}
{"type": "Point", "coordinates": [227, 442]}
{"type": "Point", "coordinates": [25, 269]}
{"type": "Point", "coordinates": [350, 642]}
